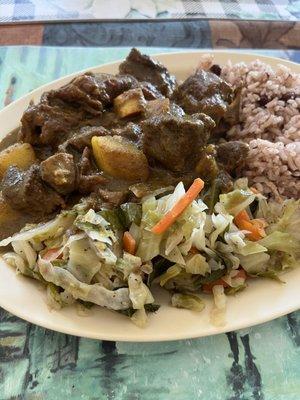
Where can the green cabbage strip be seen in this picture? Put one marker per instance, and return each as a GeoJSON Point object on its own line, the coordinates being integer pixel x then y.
{"type": "Point", "coordinates": [97, 294]}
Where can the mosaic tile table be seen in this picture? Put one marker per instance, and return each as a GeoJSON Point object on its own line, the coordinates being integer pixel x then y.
{"type": "Point", "coordinates": [53, 10]}
{"type": "Point", "coordinates": [180, 23]}
{"type": "Point", "coordinates": [260, 363]}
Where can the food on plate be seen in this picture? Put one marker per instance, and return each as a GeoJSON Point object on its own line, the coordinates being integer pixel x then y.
{"type": "Point", "coordinates": [19, 154]}
{"type": "Point", "coordinates": [121, 182]}
{"type": "Point", "coordinates": [132, 163]}
{"type": "Point", "coordinates": [130, 103]}
{"type": "Point", "coordinates": [270, 124]}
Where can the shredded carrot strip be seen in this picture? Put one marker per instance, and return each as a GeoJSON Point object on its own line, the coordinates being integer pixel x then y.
{"type": "Point", "coordinates": [241, 217]}
{"type": "Point", "coordinates": [260, 224]}
{"type": "Point", "coordinates": [129, 244]}
{"type": "Point", "coordinates": [171, 216]}
{"type": "Point", "coordinates": [255, 233]}
{"type": "Point", "coordinates": [255, 227]}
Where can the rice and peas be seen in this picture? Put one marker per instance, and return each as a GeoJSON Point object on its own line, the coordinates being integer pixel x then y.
{"type": "Point", "coordinates": [270, 123]}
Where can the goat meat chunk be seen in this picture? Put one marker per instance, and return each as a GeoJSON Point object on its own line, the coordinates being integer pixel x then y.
{"type": "Point", "coordinates": [25, 191]}
{"type": "Point", "coordinates": [145, 68]}
{"type": "Point", "coordinates": [59, 171]}
{"type": "Point", "coordinates": [175, 142]}
{"type": "Point", "coordinates": [204, 92]}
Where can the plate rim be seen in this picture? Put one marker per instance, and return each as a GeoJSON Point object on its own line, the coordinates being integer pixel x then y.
{"type": "Point", "coordinates": [141, 339]}
{"type": "Point", "coordinates": [71, 330]}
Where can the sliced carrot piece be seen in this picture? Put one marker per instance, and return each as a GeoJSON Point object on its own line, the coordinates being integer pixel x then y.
{"type": "Point", "coordinates": [255, 232]}
{"type": "Point", "coordinates": [171, 216]}
{"type": "Point", "coordinates": [241, 216]}
{"type": "Point", "coordinates": [259, 225]}
{"type": "Point", "coordinates": [129, 243]}
{"type": "Point", "coordinates": [254, 226]}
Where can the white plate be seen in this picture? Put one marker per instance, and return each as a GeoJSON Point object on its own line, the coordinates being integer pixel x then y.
{"type": "Point", "coordinates": [262, 301]}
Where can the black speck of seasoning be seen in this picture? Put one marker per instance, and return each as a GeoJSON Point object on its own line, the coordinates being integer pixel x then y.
{"type": "Point", "coordinates": [13, 80]}
{"type": "Point", "coordinates": [288, 96]}
{"type": "Point", "coordinates": [263, 101]}
{"type": "Point", "coordinates": [216, 69]}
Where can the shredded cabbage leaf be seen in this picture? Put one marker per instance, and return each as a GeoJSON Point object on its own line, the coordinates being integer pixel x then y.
{"type": "Point", "coordinates": [237, 200]}
{"type": "Point", "coordinates": [188, 301]}
{"type": "Point", "coordinates": [197, 265]}
{"type": "Point", "coordinates": [139, 293]}
{"type": "Point", "coordinates": [281, 241]}
{"type": "Point", "coordinates": [169, 274]}
{"type": "Point", "coordinates": [83, 262]}
{"type": "Point", "coordinates": [41, 232]}
{"type": "Point", "coordinates": [95, 293]}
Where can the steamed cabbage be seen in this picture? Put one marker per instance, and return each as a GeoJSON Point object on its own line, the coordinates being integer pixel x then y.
{"type": "Point", "coordinates": [79, 255]}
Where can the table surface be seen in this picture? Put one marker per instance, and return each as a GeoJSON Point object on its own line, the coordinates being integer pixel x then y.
{"type": "Point", "coordinates": [54, 10]}
{"type": "Point", "coordinates": [260, 363]}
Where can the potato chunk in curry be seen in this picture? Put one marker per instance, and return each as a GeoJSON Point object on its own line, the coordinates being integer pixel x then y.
{"type": "Point", "coordinates": [20, 154]}
{"type": "Point", "coordinates": [120, 158]}
{"type": "Point", "coordinates": [130, 103]}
